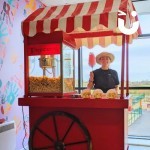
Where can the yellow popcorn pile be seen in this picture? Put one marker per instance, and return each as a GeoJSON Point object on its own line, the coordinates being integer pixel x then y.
{"type": "Point", "coordinates": [97, 93]}
{"type": "Point", "coordinates": [112, 94]}
{"type": "Point", "coordinates": [68, 84]}
{"type": "Point", "coordinates": [44, 84]}
{"type": "Point", "coordinates": [86, 93]}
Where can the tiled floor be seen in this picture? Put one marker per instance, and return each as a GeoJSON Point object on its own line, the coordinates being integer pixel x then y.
{"type": "Point", "coordinates": [138, 148]}
{"type": "Point", "coordinates": [139, 133]}
{"type": "Point", "coordinates": [141, 127]}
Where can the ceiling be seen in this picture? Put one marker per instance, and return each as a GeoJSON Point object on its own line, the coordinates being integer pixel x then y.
{"type": "Point", "coordinates": [142, 6]}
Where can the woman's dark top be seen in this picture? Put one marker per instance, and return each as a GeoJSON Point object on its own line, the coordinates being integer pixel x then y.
{"type": "Point", "coordinates": [105, 79]}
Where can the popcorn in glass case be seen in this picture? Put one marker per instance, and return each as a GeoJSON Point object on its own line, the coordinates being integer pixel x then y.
{"type": "Point", "coordinates": [49, 69]}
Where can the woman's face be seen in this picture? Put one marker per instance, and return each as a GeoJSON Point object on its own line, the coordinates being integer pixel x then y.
{"type": "Point", "coordinates": [105, 61]}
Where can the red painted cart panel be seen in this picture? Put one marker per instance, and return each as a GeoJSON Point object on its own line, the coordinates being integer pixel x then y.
{"type": "Point", "coordinates": [105, 119]}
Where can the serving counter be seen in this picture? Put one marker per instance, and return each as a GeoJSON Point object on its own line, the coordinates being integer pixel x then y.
{"type": "Point", "coordinates": [103, 121]}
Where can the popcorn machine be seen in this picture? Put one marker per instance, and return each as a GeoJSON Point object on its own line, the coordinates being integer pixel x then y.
{"type": "Point", "coordinates": [53, 71]}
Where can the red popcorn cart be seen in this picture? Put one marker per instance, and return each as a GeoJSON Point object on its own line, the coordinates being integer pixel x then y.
{"type": "Point", "coordinates": [59, 121]}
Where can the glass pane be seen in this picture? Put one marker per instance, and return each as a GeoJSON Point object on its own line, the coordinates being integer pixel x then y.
{"type": "Point", "coordinates": [145, 23]}
{"type": "Point", "coordinates": [139, 107]}
{"type": "Point", "coordinates": [88, 67]}
{"type": "Point", "coordinates": [139, 56]}
{"type": "Point", "coordinates": [44, 74]}
{"type": "Point", "coordinates": [68, 69]}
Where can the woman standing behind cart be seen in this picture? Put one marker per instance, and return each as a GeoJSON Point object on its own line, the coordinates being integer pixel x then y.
{"type": "Point", "coordinates": [104, 78]}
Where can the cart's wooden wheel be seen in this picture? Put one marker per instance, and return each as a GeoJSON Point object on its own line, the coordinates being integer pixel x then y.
{"type": "Point", "coordinates": [59, 130]}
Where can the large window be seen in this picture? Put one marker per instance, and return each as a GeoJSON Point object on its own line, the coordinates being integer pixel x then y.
{"type": "Point", "coordinates": [96, 50]}
{"type": "Point", "coordinates": [139, 56]}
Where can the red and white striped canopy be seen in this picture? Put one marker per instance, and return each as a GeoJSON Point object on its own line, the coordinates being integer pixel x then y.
{"type": "Point", "coordinates": [92, 17]}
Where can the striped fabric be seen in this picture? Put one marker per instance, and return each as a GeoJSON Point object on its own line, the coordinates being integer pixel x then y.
{"type": "Point", "coordinates": [82, 17]}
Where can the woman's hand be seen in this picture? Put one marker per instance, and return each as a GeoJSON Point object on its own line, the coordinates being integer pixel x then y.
{"type": "Point", "coordinates": [91, 79]}
{"type": "Point", "coordinates": [117, 89]}
{"type": "Point", "coordinates": [91, 76]}
{"type": "Point", "coordinates": [90, 85]}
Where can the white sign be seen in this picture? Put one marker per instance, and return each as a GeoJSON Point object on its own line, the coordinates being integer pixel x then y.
{"type": "Point", "coordinates": [121, 24]}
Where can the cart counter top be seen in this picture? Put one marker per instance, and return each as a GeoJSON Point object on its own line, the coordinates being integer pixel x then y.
{"type": "Point", "coordinates": [73, 102]}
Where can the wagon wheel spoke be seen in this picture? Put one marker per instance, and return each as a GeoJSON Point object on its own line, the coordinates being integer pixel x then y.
{"type": "Point", "coordinates": [44, 148]}
{"type": "Point", "coordinates": [70, 126]}
{"type": "Point", "coordinates": [55, 126]}
{"type": "Point", "coordinates": [45, 134]}
{"type": "Point", "coordinates": [75, 143]}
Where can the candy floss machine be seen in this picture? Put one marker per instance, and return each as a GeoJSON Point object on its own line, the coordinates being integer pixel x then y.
{"type": "Point", "coordinates": [49, 67]}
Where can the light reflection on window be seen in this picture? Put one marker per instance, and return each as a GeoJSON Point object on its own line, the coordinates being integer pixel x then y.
{"type": "Point", "coordinates": [145, 23]}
